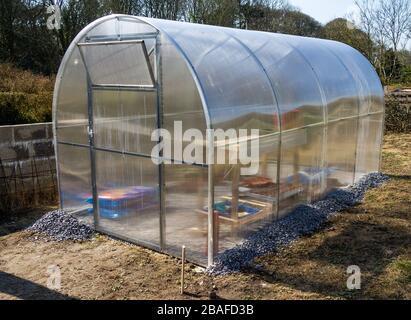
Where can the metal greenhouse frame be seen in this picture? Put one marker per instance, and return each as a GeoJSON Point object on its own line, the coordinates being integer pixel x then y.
{"type": "Point", "coordinates": [318, 106]}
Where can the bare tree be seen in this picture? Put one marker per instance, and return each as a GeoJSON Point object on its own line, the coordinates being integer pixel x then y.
{"type": "Point", "coordinates": [366, 23]}
{"type": "Point", "coordinates": [163, 9]}
{"type": "Point", "coordinates": [388, 23]}
{"type": "Point", "coordinates": [214, 12]}
{"type": "Point", "coordinates": [9, 16]}
{"type": "Point", "coordinates": [395, 18]}
{"type": "Point", "coordinates": [131, 7]}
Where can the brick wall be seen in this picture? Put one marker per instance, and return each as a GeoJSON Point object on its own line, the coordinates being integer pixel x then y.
{"type": "Point", "coordinates": [27, 166]}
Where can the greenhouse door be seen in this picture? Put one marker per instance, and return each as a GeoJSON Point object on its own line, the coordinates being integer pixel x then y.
{"type": "Point", "coordinates": [123, 95]}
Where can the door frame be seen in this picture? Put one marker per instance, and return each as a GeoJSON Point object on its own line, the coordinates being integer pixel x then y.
{"type": "Point", "coordinates": [156, 77]}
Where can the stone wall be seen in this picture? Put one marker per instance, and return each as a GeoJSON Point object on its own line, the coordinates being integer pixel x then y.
{"type": "Point", "coordinates": [27, 166]}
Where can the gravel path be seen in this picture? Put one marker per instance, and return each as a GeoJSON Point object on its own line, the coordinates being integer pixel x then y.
{"type": "Point", "coordinates": [304, 220]}
{"type": "Point", "coordinates": [61, 226]}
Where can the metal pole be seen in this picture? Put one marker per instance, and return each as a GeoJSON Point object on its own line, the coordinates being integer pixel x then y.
{"type": "Point", "coordinates": [183, 260]}
{"type": "Point", "coordinates": [107, 43]}
{"type": "Point", "coordinates": [211, 233]}
{"type": "Point", "coordinates": [123, 87]}
{"type": "Point", "coordinates": [96, 210]}
{"type": "Point", "coordinates": [158, 72]}
{"type": "Point", "coordinates": [150, 69]}
{"type": "Point", "coordinates": [383, 122]}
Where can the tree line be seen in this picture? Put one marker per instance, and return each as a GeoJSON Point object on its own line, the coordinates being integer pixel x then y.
{"type": "Point", "coordinates": [380, 30]}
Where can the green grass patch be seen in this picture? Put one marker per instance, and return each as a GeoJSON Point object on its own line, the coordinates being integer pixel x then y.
{"type": "Point", "coordinates": [405, 267]}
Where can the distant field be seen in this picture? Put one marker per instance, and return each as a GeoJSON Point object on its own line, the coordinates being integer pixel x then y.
{"type": "Point", "coordinates": [375, 235]}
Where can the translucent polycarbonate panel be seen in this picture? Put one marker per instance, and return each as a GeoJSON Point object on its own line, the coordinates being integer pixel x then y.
{"type": "Point", "coordinates": [182, 106]}
{"type": "Point", "coordinates": [341, 152]}
{"type": "Point", "coordinates": [117, 64]}
{"type": "Point", "coordinates": [104, 29]}
{"type": "Point", "coordinates": [376, 88]}
{"type": "Point", "coordinates": [245, 193]}
{"type": "Point", "coordinates": [335, 79]}
{"type": "Point", "coordinates": [74, 176]}
{"type": "Point", "coordinates": [186, 215]}
{"type": "Point", "coordinates": [128, 195]}
{"type": "Point", "coordinates": [369, 144]}
{"type": "Point", "coordinates": [71, 109]}
{"type": "Point", "coordinates": [302, 172]}
{"type": "Point", "coordinates": [122, 28]}
{"type": "Point", "coordinates": [260, 167]}
{"type": "Point", "coordinates": [77, 134]}
{"type": "Point", "coordinates": [362, 68]}
{"type": "Point", "coordinates": [125, 120]}
{"type": "Point", "coordinates": [134, 29]}
{"type": "Point", "coordinates": [359, 68]}
{"type": "Point", "coordinates": [295, 84]}
{"type": "Point", "coordinates": [238, 212]}
{"type": "Point", "coordinates": [257, 163]}
{"type": "Point", "coordinates": [129, 27]}
{"type": "Point", "coordinates": [377, 99]}
{"type": "Point", "coordinates": [237, 91]}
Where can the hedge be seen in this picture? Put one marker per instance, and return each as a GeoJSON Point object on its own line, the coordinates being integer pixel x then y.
{"type": "Point", "coordinates": [398, 115]}
{"type": "Point", "coordinates": [22, 108]}
{"type": "Point", "coordinates": [25, 97]}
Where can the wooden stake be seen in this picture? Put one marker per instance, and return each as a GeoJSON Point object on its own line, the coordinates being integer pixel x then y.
{"type": "Point", "coordinates": [183, 259]}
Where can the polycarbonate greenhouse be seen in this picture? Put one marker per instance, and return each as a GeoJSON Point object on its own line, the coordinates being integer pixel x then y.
{"type": "Point", "coordinates": [318, 106]}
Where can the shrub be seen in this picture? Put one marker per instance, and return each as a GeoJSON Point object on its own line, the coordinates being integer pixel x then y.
{"type": "Point", "coordinates": [24, 97]}
{"type": "Point", "coordinates": [398, 115]}
{"type": "Point", "coordinates": [21, 108]}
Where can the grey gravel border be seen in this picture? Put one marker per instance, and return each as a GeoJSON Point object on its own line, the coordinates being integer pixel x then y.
{"type": "Point", "coordinates": [304, 220]}
{"type": "Point", "coordinates": [59, 225]}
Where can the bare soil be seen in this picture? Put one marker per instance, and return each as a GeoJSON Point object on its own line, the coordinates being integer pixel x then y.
{"type": "Point", "coordinates": [375, 235]}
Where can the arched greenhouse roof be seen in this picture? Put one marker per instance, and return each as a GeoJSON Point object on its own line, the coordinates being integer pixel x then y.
{"type": "Point", "coordinates": [244, 78]}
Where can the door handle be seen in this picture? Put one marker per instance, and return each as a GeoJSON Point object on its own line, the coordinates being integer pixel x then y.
{"type": "Point", "coordinates": [90, 133]}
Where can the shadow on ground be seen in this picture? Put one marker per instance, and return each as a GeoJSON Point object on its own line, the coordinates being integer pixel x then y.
{"type": "Point", "coordinates": [20, 220]}
{"type": "Point", "coordinates": [27, 290]}
{"type": "Point", "coordinates": [323, 268]}
{"type": "Point", "coordinates": [400, 177]}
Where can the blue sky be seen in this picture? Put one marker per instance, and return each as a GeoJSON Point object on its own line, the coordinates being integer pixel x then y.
{"type": "Point", "coordinates": [324, 10]}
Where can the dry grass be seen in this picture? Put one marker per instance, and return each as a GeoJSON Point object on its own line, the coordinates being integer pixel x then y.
{"type": "Point", "coordinates": [375, 235]}
{"type": "Point", "coordinates": [16, 80]}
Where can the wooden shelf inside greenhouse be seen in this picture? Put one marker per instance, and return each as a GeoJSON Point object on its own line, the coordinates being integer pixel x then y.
{"type": "Point", "coordinates": [262, 210]}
